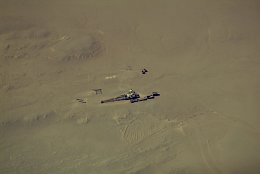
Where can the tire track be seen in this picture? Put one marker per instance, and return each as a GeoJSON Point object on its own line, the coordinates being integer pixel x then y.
{"type": "Point", "coordinates": [138, 129]}
{"type": "Point", "coordinates": [206, 154]}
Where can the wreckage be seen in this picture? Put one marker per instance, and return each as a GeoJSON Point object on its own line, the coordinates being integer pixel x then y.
{"type": "Point", "coordinates": [132, 96]}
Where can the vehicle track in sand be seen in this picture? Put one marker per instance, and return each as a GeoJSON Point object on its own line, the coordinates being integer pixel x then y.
{"type": "Point", "coordinates": [206, 152]}
{"type": "Point", "coordinates": [138, 129]}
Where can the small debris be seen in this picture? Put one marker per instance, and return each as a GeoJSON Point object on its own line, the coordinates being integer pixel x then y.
{"type": "Point", "coordinates": [144, 71]}
{"type": "Point", "coordinates": [98, 91]}
{"type": "Point", "coordinates": [64, 38]}
{"type": "Point", "coordinates": [110, 77]}
{"type": "Point", "coordinates": [7, 47]}
{"type": "Point", "coordinates": [81, 100]}
{"type": "Point", "coordinates": [156, 94]}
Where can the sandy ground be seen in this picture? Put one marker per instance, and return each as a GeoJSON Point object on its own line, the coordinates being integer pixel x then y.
{"type": "Point", "coordinates": [203, 56]}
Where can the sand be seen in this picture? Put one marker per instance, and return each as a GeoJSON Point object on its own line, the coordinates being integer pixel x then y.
{"type": "Point", "coordinates": [202, 56]}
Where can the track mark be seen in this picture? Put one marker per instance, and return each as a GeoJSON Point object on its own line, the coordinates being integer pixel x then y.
{"type": "Point", "coordinates": [136, 130]}
{"type": "Point", "coordinates": [206, 154]}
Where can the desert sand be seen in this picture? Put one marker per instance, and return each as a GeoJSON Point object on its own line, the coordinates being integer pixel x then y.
{"type": "Point", "coordinates": [203, 56]}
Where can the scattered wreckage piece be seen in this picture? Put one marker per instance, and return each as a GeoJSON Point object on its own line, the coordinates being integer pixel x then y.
{"type": "Point", "coordinates": [152, 96]}
{"type": "Point", "coordinates": [98, 91]}
{"type": "Point", "coordinates": [144, 71]}
{"type": "Point", "coordinates": [156, 94]}
{"type": "Point", "coordinates": [81, 100]}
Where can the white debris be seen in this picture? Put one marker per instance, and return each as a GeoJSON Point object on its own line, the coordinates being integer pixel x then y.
{"type": "Point", "coordinates": [110, 77]}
